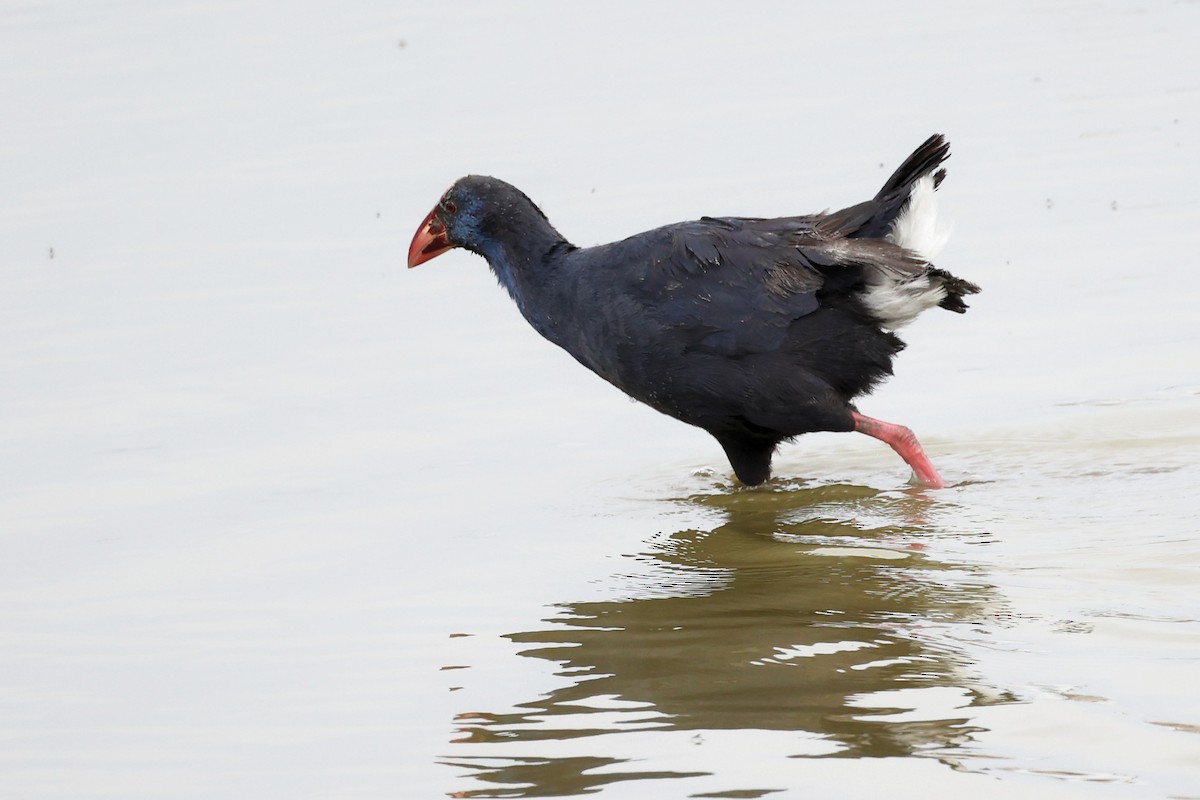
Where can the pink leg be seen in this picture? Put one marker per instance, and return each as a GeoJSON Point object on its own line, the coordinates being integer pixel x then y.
{"type": "Point", "coordinates": [905, 443]}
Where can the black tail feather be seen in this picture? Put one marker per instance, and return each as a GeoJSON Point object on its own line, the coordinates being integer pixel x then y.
{"type": "Point", "coordinates": [955, 289]}
{"type": "Point", "coordinates": [874, 218]}
{"type": "Point", "coordinates": [925, 159]}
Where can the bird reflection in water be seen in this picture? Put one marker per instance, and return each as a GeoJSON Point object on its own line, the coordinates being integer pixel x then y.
{"type": "Point", "coordinates": [803, 610]}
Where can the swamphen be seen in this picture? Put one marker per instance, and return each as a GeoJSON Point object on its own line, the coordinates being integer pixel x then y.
{"type": "Point", "coordinates": [756, 330]}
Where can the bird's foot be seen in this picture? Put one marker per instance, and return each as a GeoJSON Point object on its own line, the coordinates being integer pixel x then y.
{"type": "Point", "coordinates": [905, 443]}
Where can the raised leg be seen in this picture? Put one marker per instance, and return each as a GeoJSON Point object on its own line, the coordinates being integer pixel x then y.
{"type": "Point", "coordinates": [905, 443]}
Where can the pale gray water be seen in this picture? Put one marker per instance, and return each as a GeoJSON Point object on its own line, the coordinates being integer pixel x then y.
{"type": "Point", "coordinates": [281, 518]}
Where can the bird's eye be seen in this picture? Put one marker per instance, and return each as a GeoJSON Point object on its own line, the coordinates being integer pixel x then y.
{"type": "Point", "coordinates": [450, 207]}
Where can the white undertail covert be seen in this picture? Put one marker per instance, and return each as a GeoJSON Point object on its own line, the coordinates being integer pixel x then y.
{"type": "Point", "coordinates": [896, 300]}
{"type": "Point", "coordinates": [918, 227]}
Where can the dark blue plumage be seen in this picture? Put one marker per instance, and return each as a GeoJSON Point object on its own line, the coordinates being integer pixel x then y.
{"type": "Point", "coordinates": [756, 330]}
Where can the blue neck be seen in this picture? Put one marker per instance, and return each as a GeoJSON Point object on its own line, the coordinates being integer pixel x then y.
{"type": "Point", "coordinates": [528, 268]}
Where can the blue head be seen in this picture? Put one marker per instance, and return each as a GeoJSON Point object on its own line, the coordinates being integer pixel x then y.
{"type": "Point", "coordinates": [479, 214]}
{"type": "Point", "coordinates": [496, 220]}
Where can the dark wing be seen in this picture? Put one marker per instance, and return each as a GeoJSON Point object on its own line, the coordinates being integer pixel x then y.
{"type": "Point", "coordinates": [730, 286]}
{"type": "Point", "coordinates": [733, 286]}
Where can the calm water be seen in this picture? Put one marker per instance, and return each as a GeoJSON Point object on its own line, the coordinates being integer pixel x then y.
{"type": "Point", "coordinates": [281, 518]}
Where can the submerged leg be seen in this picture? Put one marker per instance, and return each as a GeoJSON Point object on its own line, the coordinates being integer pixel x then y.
{"type": "Point", "coordinates": [905, 443]}
{"type": "Point", "coordinates": [751, 460]}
